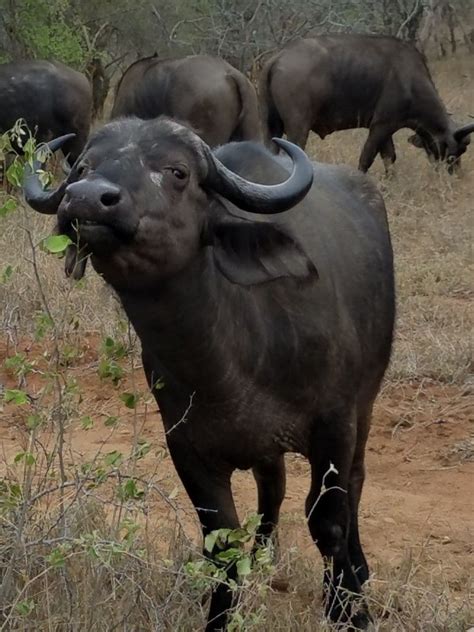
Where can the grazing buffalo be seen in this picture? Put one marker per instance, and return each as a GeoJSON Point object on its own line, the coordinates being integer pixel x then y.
{"type": "Point", "coordinates": [270, 331]}
{"type": "Point", "coordinates": [52, 99]}
{"type": "Point", "coordinates": [207, 93]}
{"type": "Point", "coordinates": [335, 82]}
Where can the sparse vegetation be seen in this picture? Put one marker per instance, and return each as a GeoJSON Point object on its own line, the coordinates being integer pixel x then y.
{"type": "Point", "coordinates": [95, 531]}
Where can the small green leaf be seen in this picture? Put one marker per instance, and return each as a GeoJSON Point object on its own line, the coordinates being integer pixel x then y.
{"type": "Point", "coordinates": [111, 421]}
{"type": "Point", "coordinates": [86, 422]}
{"type": "Point", "coordinates": [43, 323]}
{"type": "Point", "coordinates": [239, 535]}
{"type": "Point", "coordinates": [228, 555]}
{"type": "Point", "coordinates": [25, 607]}
{"type": "Point", "coordinates": [142, 449]}
{"type": "Point", "coordinates": [18, 365]}
{"type": "Point", "coordinates": [252, 523]}
{"type": "Point", "coordinates": [8, 207]}
{"type": "Point", "coordinates": [130, 491]}
{"type": "Point", "coordinates": [15, 396]}
{"type": "Point", "coordinates": [244, 566]}
{"type": "Point", "coordinates": [210, 541]}
{"type": "Point", "coordinates": [130, 399]}
{"type": "Point", "coordinates": [33, 421]}
{"type": "Point", "coordinates": [29, 147]}
{"type": "Point", "coordinates": [56, 243]}
{"type": "Point", "coordinates": [110, 369]}
{"type": "Point", "coordinates": [6, 274]}
{"type": "Point", "coordinates": [56, 558]}
{"type": "Point", "coordinates": [112, 349]}
{"type": "Point", "coordinates": [87, 468]}
{"type": "Point", "coordinates": [159, 384]}
{"type": "Point", "coordinates": [27, 457]}
{"type": "Point", "coordinates": [14, 173]}
{"type": "Point", "coordinates": [113, 458]}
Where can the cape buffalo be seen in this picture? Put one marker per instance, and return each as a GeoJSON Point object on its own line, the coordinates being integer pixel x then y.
{"type": "Point", "coordinates": [217, 100]}
{"type": "Point", "coordinates": [52, 99]}
{"type": "Point", "coordinates": [271, 333]}
{"type": "Point", "coordinates": [336, 82]}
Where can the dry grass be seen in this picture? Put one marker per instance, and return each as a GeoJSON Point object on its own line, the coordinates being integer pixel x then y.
{"type": "Point", "coordinates": [82, 558]}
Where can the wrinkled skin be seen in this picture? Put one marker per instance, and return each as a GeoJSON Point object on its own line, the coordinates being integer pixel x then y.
{"type": "Point", "coordinates": [206, 92]}
{"type": "Point", "coordinates": [52, 98]}
{"type": "Point", "coordinates": [345, 81]}
{"type": "Point", "coordinates": [271, 334]}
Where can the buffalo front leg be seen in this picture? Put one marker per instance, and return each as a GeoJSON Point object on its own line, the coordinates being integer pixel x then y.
{"type": "Point", "coordinates": [328, 514]}
{"type": "Point", "coordinates": [270, 477]}
{"type": "Point", "coordinates": [212, 498]}
{"type": "Point", "coordinates": [388, 155]}
{"type": "Point", "coordinates": [297, 132]}
{"type": "Point", "coordinates": [376, 140]}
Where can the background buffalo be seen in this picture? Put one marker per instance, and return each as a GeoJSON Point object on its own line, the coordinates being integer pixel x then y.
{"type": "Point", "coordinates": [337, 82]}
{"type": "Point", "coordinates": [214, 98]}
{"type": "Point", "coordinates": [51, 98]}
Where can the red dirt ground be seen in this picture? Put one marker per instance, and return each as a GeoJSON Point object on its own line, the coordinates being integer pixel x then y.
{"type": "Point", "coordinates": [418, 494]}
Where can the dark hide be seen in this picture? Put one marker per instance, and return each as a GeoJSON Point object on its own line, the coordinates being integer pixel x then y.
{"type": "Point", "coordinates": [248, 253]}
{"type": "Point", "coordinates": [271, 334]}
{"type": "Point", "coordinates": [205, 92]}
{"type": "Point", "coordinates": [345, 81]}
{"type": "Point", "coordinates": [52, 98]}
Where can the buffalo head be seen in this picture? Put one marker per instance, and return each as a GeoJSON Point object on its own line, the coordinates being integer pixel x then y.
{"type": "Point", "coordinates": [448, 145]}
{"type": "Point", "coordinates": [146, 197]}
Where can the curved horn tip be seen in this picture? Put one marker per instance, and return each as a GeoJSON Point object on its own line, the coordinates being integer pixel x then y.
{"type": "Point", "coordinates": [284, 144]}
{"type": "Point", "coordinates": [43, 201]}
{"type": "Point", "coordinates": [58, 142]}
{"type": "Point", "coordinates": [264, 198]}
{"type": "Point", "coordinates": [463, 131]}
{"type": "Point", "coordinates": [295, 152]}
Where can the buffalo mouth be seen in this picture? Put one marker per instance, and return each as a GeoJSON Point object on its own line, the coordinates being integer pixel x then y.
{"type": "Point", "coordinates": [90, 229]}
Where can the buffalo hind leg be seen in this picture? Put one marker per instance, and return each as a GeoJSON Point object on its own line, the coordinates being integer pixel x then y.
{"type": "Point", "coordinates": [212, 498]}
{"type": "Point", "coordinates": [271, 482]}
{"type": "Point", "coordinates": [328, 513]}
{"type": "Point", "coordinates": [376, 140]}
{"type": "Point", "coordinates": [298, 134]}
{"type": "Point", "coordinates": [389, 156]}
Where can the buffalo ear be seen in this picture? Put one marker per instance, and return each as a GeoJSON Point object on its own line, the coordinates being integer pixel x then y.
{"type": "Point", "coordinates": [248, 253]}
{"type": "Point", "coordinates": [415, 140]}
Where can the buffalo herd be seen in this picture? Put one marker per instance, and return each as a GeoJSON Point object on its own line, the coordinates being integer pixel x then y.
{"type": "Point", "coordinates": [321, 84]}
{"type": "Point", "coordinates": [259, 283]}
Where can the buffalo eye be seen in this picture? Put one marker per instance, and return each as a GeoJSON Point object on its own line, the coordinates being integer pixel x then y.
{"type": "Point", "coordinates": [179, 173]}
{"type": "Point", "coordinates": [81, 169]}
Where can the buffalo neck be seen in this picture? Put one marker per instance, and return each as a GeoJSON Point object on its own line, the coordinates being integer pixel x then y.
{"type": "Point", "coordinates": [191, 325]}
{"type": "Point", "coordinates": [429, 111]}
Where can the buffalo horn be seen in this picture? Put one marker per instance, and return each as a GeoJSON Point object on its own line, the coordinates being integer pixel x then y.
{"type": "Point", "coordinates": [264, 198]}
{"type": "Point", "coordinates": [40, 200]}
{"type": "Point", "coordinates": [461, 132]}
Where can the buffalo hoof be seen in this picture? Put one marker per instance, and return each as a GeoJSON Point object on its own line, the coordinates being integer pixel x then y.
{"type": "Point", "coordinates": [348, 618]}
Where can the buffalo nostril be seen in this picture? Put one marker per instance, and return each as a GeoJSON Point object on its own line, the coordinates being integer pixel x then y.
{"type": "Point", "coordinates": [110, 198]}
